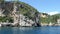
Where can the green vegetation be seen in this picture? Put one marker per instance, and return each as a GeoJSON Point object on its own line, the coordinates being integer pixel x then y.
{"type": "Point", "coordinates": [46, 19]}
{"type": "Point", "coordinates": [55, 17]}
{"type": "Point", "coordinates": [5, 18]}
{"type": "Point", "coordinates": [52, 19]}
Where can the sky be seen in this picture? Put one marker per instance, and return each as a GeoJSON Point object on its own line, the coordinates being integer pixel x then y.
{"type": "Point", "coordinates": [45, 6]}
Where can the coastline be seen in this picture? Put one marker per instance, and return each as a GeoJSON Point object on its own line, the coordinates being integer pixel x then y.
{"type": "Point", "coordinates": [16, 25]}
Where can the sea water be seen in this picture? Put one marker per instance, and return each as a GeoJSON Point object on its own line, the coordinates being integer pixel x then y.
{"type": "Point", "coordinates": [30, 30]}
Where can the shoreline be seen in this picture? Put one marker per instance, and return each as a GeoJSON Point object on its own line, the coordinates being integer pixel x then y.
{"type": "Point", "coordinates": [10, 25]}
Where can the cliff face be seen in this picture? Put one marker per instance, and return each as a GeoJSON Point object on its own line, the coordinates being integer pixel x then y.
{"type": "Point", "coordinates": [25, 21]}
{"type": "Point", "coordinates": [23, 13]}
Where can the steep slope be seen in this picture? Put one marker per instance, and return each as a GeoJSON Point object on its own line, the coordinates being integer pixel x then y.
{"type": "Point", "coordinates": [21, 9]}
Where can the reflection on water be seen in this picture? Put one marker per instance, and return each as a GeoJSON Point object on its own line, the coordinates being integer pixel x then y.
{"type": "Point", "coordinates": [29, 30]}
{"type": "Point", "coordinates": [24, 30]}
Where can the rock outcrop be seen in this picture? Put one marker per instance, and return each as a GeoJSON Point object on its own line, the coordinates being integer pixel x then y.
{"type": "Point", "coordinates": [23, 14]}
{"type": "Point", "coordinates": [25, 21]}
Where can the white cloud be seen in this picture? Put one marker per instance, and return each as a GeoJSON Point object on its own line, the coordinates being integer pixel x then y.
{"type": "Point", "coordinates": [53, 12]}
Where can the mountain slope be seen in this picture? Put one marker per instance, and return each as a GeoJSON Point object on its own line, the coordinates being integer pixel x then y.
{"type": "Point", "coordinates": [22, 9]}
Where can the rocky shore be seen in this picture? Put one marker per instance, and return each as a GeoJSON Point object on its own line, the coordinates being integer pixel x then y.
{"type": "Point", "coordinates": [24, 21]}
{"type": "Point", "coordinates": [24, 25]}
{"type": "Point", "coordinates": [50, 24]}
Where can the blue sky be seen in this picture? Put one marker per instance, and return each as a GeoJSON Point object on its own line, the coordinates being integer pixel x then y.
{"type": "Point", "coordinates": [46, 6]}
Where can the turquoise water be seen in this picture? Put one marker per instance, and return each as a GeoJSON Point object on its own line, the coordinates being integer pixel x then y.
{"type": "Point", "coordinates": [30, 30]}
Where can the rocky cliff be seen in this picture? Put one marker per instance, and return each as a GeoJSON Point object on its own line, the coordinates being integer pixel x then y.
{"type": "Point", "coordinates": [21, 13]}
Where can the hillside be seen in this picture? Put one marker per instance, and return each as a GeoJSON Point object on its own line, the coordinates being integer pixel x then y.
{"type": "Point", "coordinates": [55, 17]}
{"type": "Point", "coordinates": [11, 12]}
{"type": "Point", "coordinates": [52, 19]}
